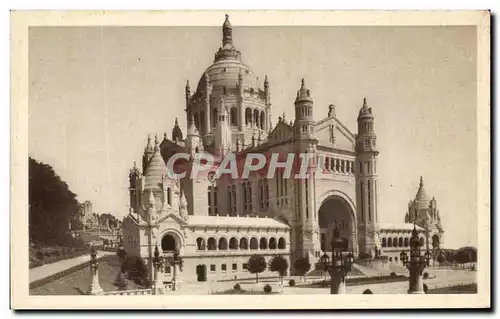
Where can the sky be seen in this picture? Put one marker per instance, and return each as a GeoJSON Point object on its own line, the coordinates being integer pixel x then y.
{"type": "Point", "coordinates": [95, 94]}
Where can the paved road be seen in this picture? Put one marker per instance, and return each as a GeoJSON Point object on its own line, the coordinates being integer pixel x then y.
{"type": "Point", "coordinates": [443, 278]}
{"type": "Point", "coordinates": [44, 271]}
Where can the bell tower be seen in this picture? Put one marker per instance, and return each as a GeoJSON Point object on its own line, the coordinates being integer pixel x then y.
{"type": "Point", "coordinates": [366, 181]}
{"type": "Point", "coordinates": [307, 232]}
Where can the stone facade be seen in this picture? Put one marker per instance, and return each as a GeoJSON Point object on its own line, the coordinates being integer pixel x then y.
{"type": "Point", "coordinates": [217, 224]}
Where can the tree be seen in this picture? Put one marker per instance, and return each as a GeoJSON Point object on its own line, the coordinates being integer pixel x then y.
{"type": "Point", "coordinates": [302, 266]}
{"type": "Point", "coordinates": [52, 206]}
{"type": "Point", "coordinates": [280, 265]}
{"type": "Point", "coordinates": [256, 264]}
{"type": "Point", "coordinates": [441, 259]}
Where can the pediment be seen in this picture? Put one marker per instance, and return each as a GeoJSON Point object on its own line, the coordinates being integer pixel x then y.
{"type": "Point", "coordinates": [174, 217]}
{"type": "Point", "coordinates": [330, 132]}
{"type": "Point", "coordinates": [282, 132]}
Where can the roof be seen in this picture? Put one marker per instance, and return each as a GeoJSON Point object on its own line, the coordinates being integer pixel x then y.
{"type": "Point", "coordinates": [396, 226]}
{"type": "Point", "coordinates": [231, 221]}
{"type": "Point", "coordinates": [422, 199]}
{"type": "Point", "coordinates": [155, 170]}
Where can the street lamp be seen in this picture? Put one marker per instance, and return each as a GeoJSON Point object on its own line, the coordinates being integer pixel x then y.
{"type": "Point", "coordinates": [416, 263]}
{"type": "Point", "coordinates": [158, 283]}
{"type": "Point", "coordinates": [95, 287]}
{"type": "Point", "coordinates": [325, 259]}
{"type": "Point", "coordinates": [176, 262]}
{"type": "Point", "coordinates": [342, 260]}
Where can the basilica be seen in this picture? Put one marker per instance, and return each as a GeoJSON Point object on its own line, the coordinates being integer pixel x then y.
{"type": "Point", "coordinates": [215, 225]}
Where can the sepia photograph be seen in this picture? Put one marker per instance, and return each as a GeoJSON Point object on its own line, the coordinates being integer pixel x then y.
{"type": "Point", "coordinates": [290, 156]}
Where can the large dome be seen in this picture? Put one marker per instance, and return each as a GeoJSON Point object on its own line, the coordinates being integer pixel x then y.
{"type": "Point", "coordinates": [226, 72]}
{"type": "Point", "coordinates": [227, 67]}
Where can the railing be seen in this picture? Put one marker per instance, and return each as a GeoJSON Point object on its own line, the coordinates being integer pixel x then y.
{"type": "Point", "coordinates": [129, 292]}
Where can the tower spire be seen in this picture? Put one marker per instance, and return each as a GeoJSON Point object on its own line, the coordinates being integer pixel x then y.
{"type": "Point", "coordinates": [227, 32]}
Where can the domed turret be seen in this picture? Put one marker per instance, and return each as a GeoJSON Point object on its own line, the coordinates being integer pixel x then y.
{"type": "Point", "coordinates": [155, 170]}
{"type": "Point", "coordinates": [422, 199]}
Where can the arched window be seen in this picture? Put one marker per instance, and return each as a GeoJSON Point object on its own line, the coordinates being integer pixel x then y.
{"type": "Point", "coordinates": [233, 243]}
{"type": "Point", "coordinates": [222, 243]}
{"type": "Point", "coordinates": [256, 118]}
{"type": "Point", "coordinates": [281, 243]}
{"type": "Point", "coordinates": [212, 201]}
{"type": "Point", "coordinates": [390, 259]}
{"type": "Point", "coordinates": [248, 117]}
{"type": "Point", "coordinates": [243, 243]}
{"type": "Point", "coordinates": [262, 119]}
{"type": "Point", "coordinates": [212, 244]}
{"type": "Point", "coordinates": [435, 241]}
{"type": "Point", "coordinates": [406, 242]}
{"type": "Point", "coordinates": [168, 243]}
{"type": "Point", "coordinates": [234, 116]}
{"type": "Point", "coordinates": [254, 244]}
{"type": "Point", "coordinates": [395, 242]}
{"type": "Point", "coordinates": [263, 243]}
{"type": "Point", "coordinates": [247, 197]}
{"type": "Point", "coordinates": [200, 243]}
{"type": "Point", "coordinates": [400, 244]}
{"type": "Point", "coordinates": [389, 242]}
{"type": "Point", "coordinates": [196, 121]}
{"type": "Point", "coordinates": [422, 242]}
{"type": "Point", "coordinates": [263, 194]}
{"type": "Point", "coordinates": [272, 243]}
{"type": "Point", "coordinates": [169, 196]}
{"type": "Point", "coordinates": [202, 121]}
{"type": "Point", "coordinates": [215, 116]}
{"type": "Point", "coordinates": [384, 242]}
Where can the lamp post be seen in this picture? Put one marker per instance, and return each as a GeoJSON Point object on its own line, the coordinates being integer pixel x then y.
{"type": "Point", "coordinates": [325, 259]}
{"type": "Point", "coordinates": [95, 287]}
{"type": "Point", "coordinates": [158, 283]}
{"type": "Point", "coordinates": [176, 262]}
{"type": "Point", "coordinates": [416, 264]}
{"type": "Point", "coordinates": [341, 263]}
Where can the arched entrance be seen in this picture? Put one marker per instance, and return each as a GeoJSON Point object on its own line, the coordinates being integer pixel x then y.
{"type": "Point", "coordinates": [335, 211]}
{"type": "Point", "coordinates": [168, 243]}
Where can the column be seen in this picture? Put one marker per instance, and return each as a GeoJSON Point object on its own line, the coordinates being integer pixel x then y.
{"type": "Point", "coordinates": [337, 282]}
{"type": "Point", "coordinates": [416, 281]}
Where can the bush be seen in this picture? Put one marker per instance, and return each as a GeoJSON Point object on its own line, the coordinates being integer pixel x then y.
{"type": "Point", "coordinates": [237, 287]}
{"type": "Point", "coordinates": [268, 289]}
{"type": "Point", "coordinates": [393, 274]}
{"type": "Point", "coordinates": [367, 292]}
{"type": "Point", "coordinates": [39, 255]}
{"type": "Point", "coordinates": [291, 283]}
{"type": "Point", "coordinates": [136, 269]}
{"type": "Point", "coordinates": [425, 288]}
{"type": "Point", "coordinates": [47, 254]}
{"type": "Point", "coordinates": [426, 275]}
{"type": "Point", "coordinates": [56, 253]}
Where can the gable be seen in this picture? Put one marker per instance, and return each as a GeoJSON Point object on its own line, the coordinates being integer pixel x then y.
{"type": "Point", "coordinates": [282, 132]}
{"type": "Point", "coordinates": [331, 133]}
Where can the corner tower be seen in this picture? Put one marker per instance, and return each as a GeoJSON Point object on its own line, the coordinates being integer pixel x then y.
{"type": "Point", "coordinates": [366, 181]}
{"type": "Point", "coordinates": [307, 230]}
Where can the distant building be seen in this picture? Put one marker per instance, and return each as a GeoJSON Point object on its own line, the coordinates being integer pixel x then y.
{"type": "Point", "coordinates": [422, 212]}
{"type": "Point", "coordinates": [88, 219]}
